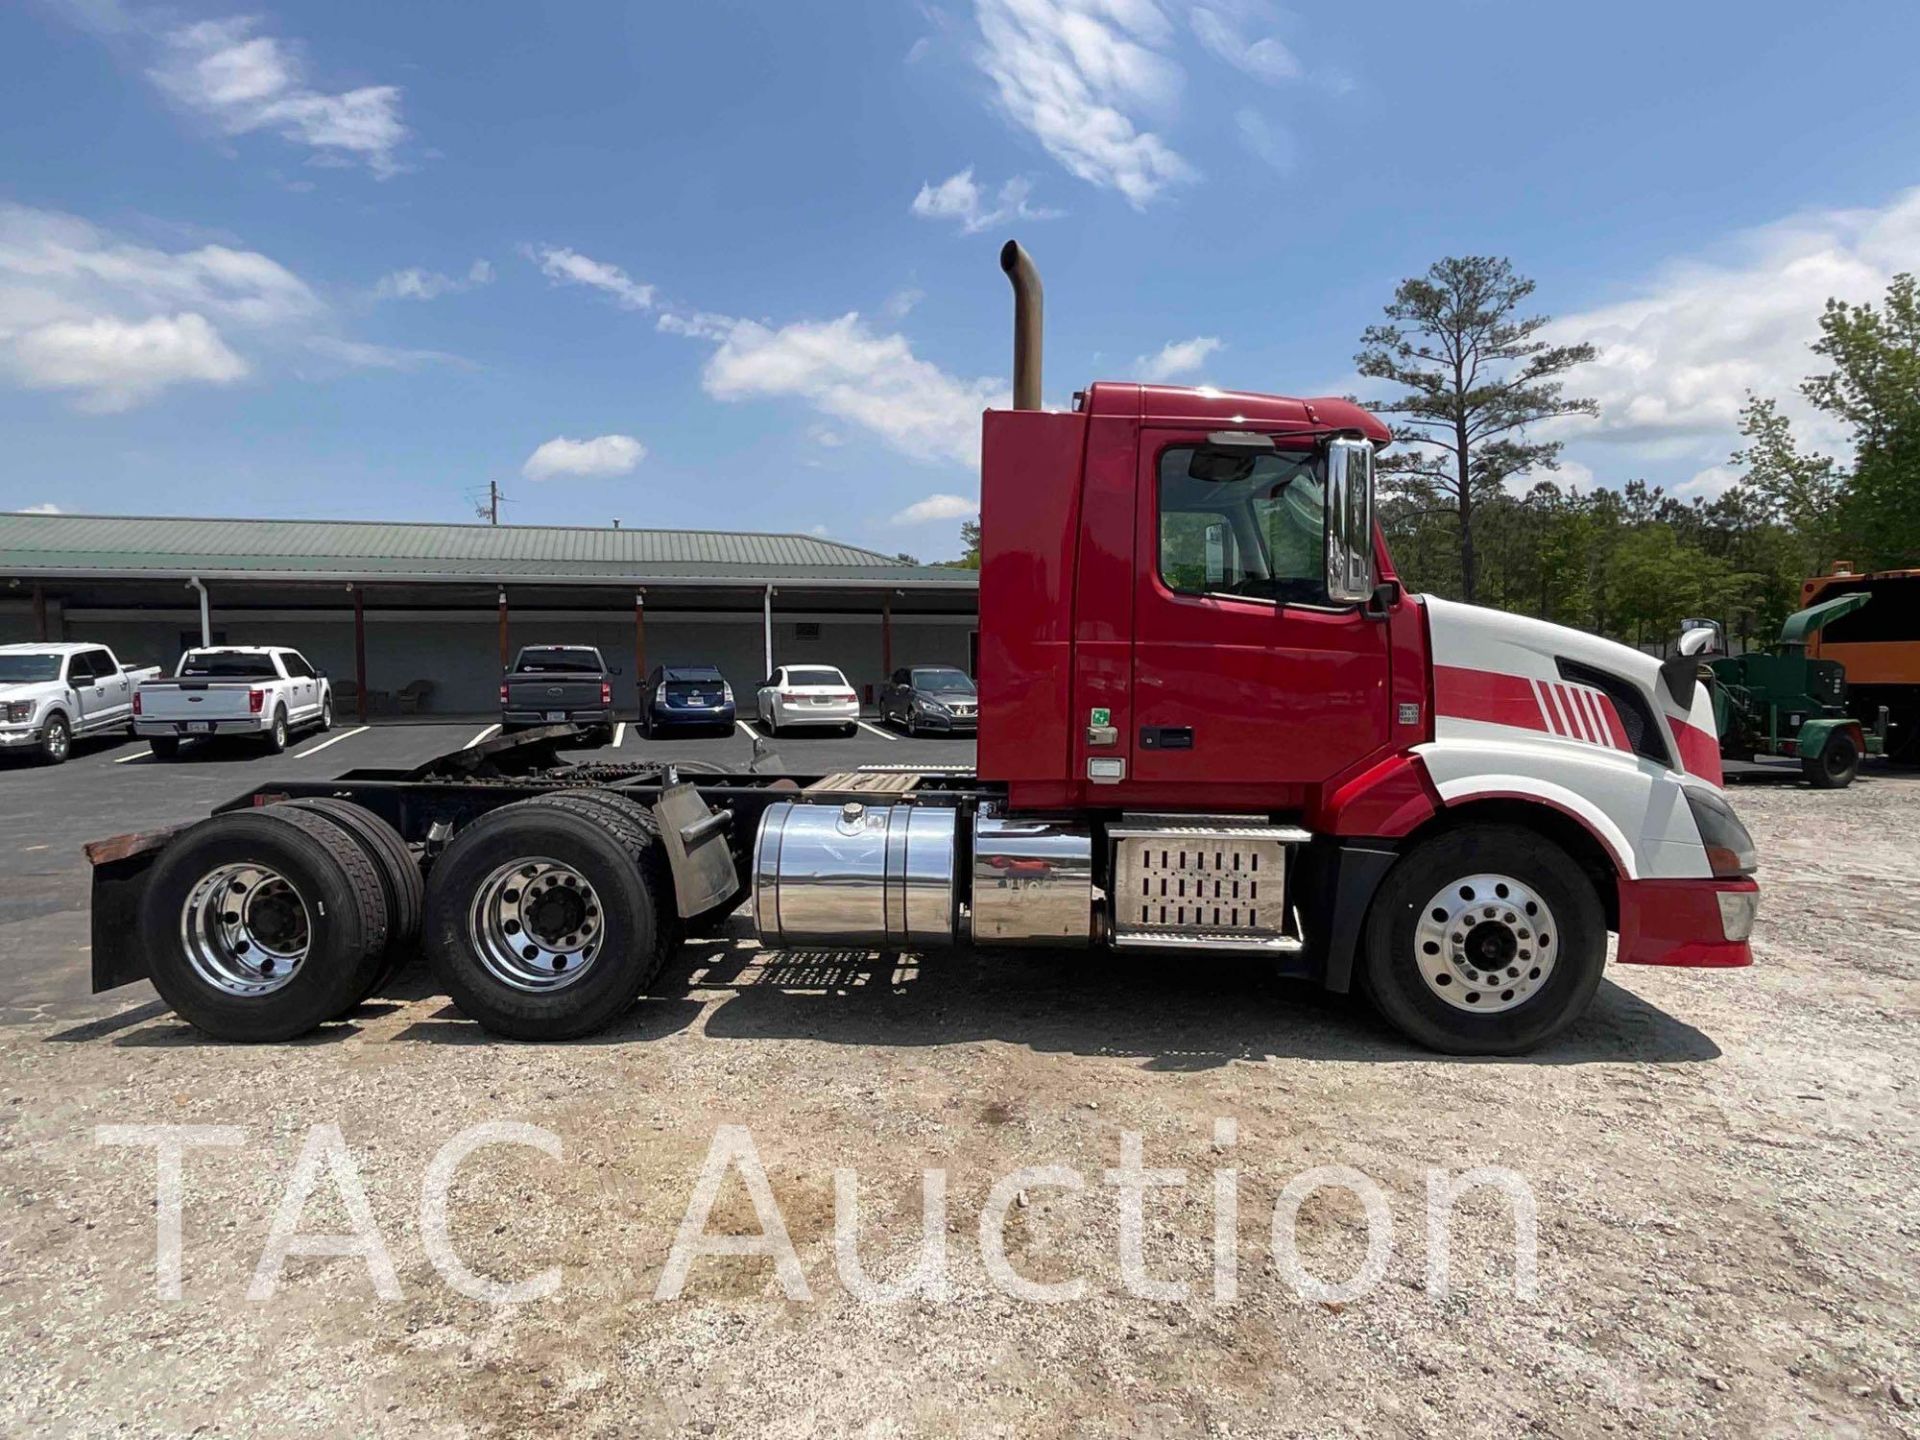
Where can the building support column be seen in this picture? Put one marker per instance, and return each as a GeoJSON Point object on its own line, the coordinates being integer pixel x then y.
{"type": "Point", "coordinates": [360, 654]}
{"type": "Point", "coordinates": [886, 639]}
{"type": "Point", "coordinates": [505, 659]}
{"type": "Point", "coordinates": [206, 614]}
{"type": "Point", "coordinates": [640, 650]}
{"type": "Point", "coordinates": [766, 619]}
{"type": "Point", "coordinates": [39, 612]}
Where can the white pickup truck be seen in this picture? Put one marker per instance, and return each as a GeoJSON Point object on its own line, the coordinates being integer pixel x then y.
{"type": "Point", "coordinates": [267, 691]}
{"type": "Point", "coordinates": [51, 694]}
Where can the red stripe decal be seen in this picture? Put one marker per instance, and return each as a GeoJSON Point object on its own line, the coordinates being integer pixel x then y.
{"type": "Point", "coordinates": [1699, 751]}
{"type": "Point", "coordinates": [1487, 696]}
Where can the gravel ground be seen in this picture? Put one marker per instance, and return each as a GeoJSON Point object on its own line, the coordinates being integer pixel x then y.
{"type": "Point", "coordinates": [1725, 1168]}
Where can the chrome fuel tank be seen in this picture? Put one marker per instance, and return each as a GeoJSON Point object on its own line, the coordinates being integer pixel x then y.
{"type": "Point", "coordinates": [855, 874]}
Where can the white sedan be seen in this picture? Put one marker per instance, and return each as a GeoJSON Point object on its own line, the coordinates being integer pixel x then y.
{"type": "Point", "coordinates": [807, 695]}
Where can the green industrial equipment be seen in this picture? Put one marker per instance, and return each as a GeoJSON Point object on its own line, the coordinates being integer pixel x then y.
{"type": "Point", "coordinates": [1780, 702]}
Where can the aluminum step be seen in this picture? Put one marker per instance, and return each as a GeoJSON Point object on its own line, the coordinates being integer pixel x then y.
{"type": "Point", "coordinates": [1209, 940]}
{"type": "Point", "coordinates": [1205, 827]}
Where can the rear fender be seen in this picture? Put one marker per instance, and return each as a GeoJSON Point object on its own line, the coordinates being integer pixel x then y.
{"type": "Point", "coordinates": [1816, 735]}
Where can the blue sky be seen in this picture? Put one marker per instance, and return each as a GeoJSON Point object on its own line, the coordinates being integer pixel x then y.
{"type": "Point", "coordinates": [732, 263]}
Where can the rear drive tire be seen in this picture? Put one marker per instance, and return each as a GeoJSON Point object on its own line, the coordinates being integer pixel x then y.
{"type": "Point", "coordinates": [1485, 940]}
{"type": "Point", "coordinates": [1834, 767]}
{"type": "Point", "coordinates": [400, 884]}
{"type": "Point", "coordinates": [261, 924]}
{"type": "Point", "coordinates": [56, 740]}
{"type": "Point", "coordinates": [275, 740]}
{"type": "Point", "coordinates": [851, 729]}
{"type": "Point", "coordinates": [546, 918]}
{"type": "Point", "coordinates": [164, 747]}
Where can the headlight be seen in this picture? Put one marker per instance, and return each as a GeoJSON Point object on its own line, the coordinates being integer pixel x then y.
{"type": "Point", "coordinates": [18, 710]}
{"type": "Point", "coordinates": [932, 707]}
{"type": "Point", "coordinates": [1730, 849]}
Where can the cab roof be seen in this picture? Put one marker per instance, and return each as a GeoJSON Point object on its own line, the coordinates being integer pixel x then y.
{"type": "Point", "coordinates": [1179, 404]}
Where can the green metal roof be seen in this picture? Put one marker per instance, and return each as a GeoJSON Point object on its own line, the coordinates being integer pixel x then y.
{"type": "Point", "coordinates": [129, 546]}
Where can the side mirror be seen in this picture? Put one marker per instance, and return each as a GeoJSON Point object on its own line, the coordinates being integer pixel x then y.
{"type": "Point", "coordinates": [1697, 642]}
{"type": "Point", "coordinates": [1681, 676]}
{"type": "Point", "coordinates": [1349, 501]}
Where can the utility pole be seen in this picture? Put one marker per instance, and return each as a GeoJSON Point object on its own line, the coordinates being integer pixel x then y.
{"type": "Point", "coordinates": [493, 502]}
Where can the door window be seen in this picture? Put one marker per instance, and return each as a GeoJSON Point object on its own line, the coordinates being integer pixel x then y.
{"type": "Point", "coordinates": [1258, 533]}
{"type": "Point", "coordinates": [297, 667]}
{"type": "Point", "coordinates": [80, 670]}
{"type": "Point", "coordinates": [101, 663]}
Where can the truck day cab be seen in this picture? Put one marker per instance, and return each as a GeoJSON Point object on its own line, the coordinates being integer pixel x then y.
{"type": "Point", "coordinates": [1211, 720]}
{"type": "Point", "coordinates": [264, 691]}
{"type": "Point", "coordinates": [51, 694]}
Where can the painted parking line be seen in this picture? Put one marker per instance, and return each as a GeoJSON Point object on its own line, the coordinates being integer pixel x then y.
{"type": "Point", "coordinates": [875, 729]}
{"type": "Point", "coordinates": [137, 755]}
{"type": "Point", "coordinates": [749, 729]}
{"type": "Point", "coordinates": [330, 740]}
{"type": "Point", "coordinates": [486, 734]}
{"type": "Point", "coordinates": [619, 734]}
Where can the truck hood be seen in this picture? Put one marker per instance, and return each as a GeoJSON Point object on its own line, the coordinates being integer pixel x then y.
{"type": "Point", "coordinates": [28, 689]}
{"type": "Point", "coordinates": [1491, 668]}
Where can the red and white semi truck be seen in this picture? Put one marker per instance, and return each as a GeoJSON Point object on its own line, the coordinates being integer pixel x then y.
{"type": "Point", "coordinates": [1211, 720]}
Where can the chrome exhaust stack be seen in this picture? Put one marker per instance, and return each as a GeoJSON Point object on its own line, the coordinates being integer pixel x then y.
{"type": "Point", "coordinates": [1028, 305]}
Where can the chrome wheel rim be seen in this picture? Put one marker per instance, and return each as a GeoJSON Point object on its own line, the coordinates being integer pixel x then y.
{"type": "Point", "coordinates": [57, 741]}
{"type": "Point", "coordinates": [536, 925]}
{"type": "Point", "coordinates": [245, 929]}
{"type": "Point", "coordinates": [1485, 943]}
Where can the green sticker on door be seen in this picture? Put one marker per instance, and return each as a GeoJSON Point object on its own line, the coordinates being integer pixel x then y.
{"type": "Point", "coordinates": [1100, 715]}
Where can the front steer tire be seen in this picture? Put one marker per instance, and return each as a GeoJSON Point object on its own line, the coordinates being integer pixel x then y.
{"type": "Point", "coordinates": [1413, 1006]}
{"type": "Point", "coordinates": [598, 841]}
{"type": "Point", "coordinates": [345, 907]}
{"type": "Point", "coordinates": [56, 740]}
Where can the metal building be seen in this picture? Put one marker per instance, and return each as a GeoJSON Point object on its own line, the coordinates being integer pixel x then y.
{"type": "Point", "coordinates": [420, 618]}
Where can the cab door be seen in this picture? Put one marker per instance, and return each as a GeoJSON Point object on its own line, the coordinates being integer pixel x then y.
{"type": "Point", "coordinates": [1250, 688]}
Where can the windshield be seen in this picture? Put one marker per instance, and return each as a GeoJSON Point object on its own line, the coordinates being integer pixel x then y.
{"type": "Point", "coordinates": [17, 669]}
{"type": "Point", "coordinates": [816, 675]}
{"type": "Point", "coordinates": [227, 665]}
{"type": "Point", "coordinates": [559, 662]}
{"type": "Point", "coordinates": [943, 680]}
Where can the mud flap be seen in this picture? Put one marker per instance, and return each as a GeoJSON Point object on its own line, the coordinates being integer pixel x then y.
{"type": "Point", "coordinates": [120, 867]}
{"type": "Point", "coordinates": [696, 839]}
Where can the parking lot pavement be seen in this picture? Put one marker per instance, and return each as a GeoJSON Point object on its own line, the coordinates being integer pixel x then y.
{"type": "Point", "coordinates": [113, 786]}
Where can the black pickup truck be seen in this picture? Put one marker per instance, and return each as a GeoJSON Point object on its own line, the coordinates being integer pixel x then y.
{"type": "Point", "coordinates": [558, 685]}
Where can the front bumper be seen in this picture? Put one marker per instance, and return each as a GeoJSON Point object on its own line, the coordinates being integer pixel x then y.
{"type": "Point", "coordinates": [952, 724]}
{"type": "Point", "coordinates": [188, 729]}
{"type": "Point", "coordinates": [1703, 923]}
{"type": "Point", "coordinates": [12, 736]}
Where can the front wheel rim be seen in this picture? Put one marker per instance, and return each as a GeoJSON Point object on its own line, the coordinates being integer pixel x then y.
{"type": "Point", "coordinates": [536, 925]}
{"type": "Point", "coordinates": [245, 929]}
{"type": "Point", "coordinates": [56, 740]}
{"type": "Point", "coordinates": [1486, 943]}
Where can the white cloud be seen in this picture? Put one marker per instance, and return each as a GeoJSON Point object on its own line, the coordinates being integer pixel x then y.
{"type": "Point", "coordinates": [938, 507]}
{"type": "Point", "coordinates": [1175, 358]}
{"type": "Point", "coordinates": [365, 355]}
{"type": "Point", "coordinates": [48, 509]}
{"type": "Point", "coordinates": [601, 456]}
{"type": "Point", "coordinates": [1678, 355]}
{"type": "Point", "coordinates": [848, 372]}
{"type": "Point", "coordinates": [117, 364]}
{"type": "Point", "coordinates": [826, 438]}
{"type": "Point", "coordinates": [1264, 59]}
{"type": "Point", "coordinates": [1272, 143]}
{"type": "Point", "coordinates": [570, 267]}
{"type": "Point", "coordinates": [415, 283]}
{"type": "Point", "coordinates": [1082, 76]}
{"type": "Point", "coordinates": [1709, 484]}
{"type": "Point", "coordinates": [900, 304]}
{"type": "Point", "coordinates": [959, 198]}
{"type": "Point", "coordinates": [118, 323]}
{"type": "Point", "coordinates": [245, 81]}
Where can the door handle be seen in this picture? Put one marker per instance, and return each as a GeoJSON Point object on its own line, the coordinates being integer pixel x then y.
{"type": "Point", "coordinates": [1166, 737]}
